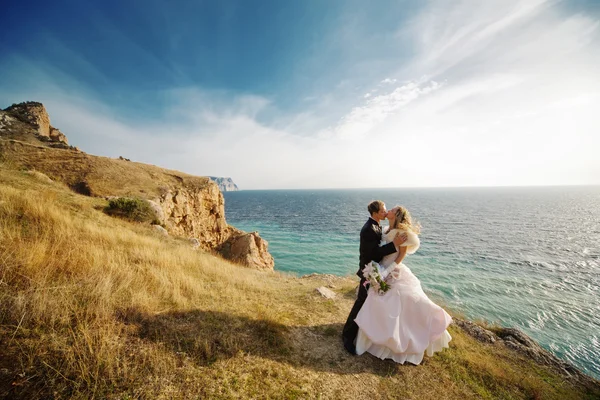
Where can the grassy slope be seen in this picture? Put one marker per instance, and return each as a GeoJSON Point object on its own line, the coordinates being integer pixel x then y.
{"type": "Point", "coordinates": [95, 307]}
{"type": "Point", "coordinates": [105, 176]}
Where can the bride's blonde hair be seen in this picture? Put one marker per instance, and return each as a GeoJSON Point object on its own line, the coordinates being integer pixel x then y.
{"type": "Point", "coordinates": [404, 221]}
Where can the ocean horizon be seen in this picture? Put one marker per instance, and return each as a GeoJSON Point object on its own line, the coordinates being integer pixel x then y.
{"type": "Point", "coordinates": [518, 256]}
{"type": "Point", "coordinates": [424, 188]}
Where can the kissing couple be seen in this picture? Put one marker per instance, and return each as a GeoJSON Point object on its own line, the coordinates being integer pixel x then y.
{"type": "Point", "coordinates": [400, 323]}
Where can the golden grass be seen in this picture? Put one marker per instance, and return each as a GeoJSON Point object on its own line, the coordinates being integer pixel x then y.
{"type": "Point", "coordinates": [96, 307]}
{"type": "Point", "coordinates": [104, 176]}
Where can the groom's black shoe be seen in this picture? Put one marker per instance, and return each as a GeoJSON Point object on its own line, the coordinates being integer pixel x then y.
{"type": "Point", "coordinates": [349, 346]}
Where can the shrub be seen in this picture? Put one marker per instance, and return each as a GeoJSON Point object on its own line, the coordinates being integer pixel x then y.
{"type": "Point", "coordinates": [132, 209]}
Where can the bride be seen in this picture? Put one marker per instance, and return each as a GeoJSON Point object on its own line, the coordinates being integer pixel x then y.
{"type": "Point", "coordinates": [403, 323]}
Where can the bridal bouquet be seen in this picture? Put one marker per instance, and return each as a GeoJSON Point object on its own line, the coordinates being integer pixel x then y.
{"type": "Point", "coordinates": [373, 277]}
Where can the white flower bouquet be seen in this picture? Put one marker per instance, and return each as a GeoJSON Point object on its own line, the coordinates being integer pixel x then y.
{"type": "Point", "coordinates": [372, 274]}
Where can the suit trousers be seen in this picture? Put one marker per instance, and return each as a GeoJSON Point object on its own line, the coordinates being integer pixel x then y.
{"type": "Point", "coordinates": [351, 328]}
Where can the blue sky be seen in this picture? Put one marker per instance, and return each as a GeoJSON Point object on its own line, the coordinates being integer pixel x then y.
{"type": "Point", "coordinates": [133, 51]}
{"type": "Point", "coordinates": [300, 94]}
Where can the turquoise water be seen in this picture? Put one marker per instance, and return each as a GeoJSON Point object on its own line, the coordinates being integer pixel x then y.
{"type": "Point", "coordinates": [524, 257]}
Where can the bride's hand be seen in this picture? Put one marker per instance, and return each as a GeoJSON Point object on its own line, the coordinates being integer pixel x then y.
{"type": "Point", "coordinates": [392, 273]}
{"type": "Point", "coordinates": [400, 239]}
{"type": "Point", "coordinates": [395, 274]}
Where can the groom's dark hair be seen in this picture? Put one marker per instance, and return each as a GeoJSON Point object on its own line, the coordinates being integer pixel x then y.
{"type": "Point", "coordinates": [375, 206]}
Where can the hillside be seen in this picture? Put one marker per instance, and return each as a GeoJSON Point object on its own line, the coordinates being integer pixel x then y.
{"type": "Point", "coordinates": [93, 306]}
{"type": "Point", "coordinates": [96, 307]}
{"type": "Point", "coordinates": [185, 205]}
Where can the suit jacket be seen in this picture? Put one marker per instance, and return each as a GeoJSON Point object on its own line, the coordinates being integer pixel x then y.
{"type": "Point", "coordinates": [370, 237]}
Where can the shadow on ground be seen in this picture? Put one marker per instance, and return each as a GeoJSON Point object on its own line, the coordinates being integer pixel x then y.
{"type": "Point", "coordinates": [208, 336]}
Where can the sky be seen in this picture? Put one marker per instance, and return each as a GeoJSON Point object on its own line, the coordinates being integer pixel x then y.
{"type": "Point", "coordinates": [319, 94]}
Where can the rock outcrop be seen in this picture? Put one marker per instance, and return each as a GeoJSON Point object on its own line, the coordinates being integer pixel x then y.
{"type": "Point", "coordinates": [326, 292]}
{"type": "Point", "coordinates": [57, 136]}
{"type": "Point", "coordinates": [518, 341]}
{"type": "Point", "coordinates": [35, 114]}
{"type": "Point", "coordinates": [225, 184]}
{"type": "Point", "coordinates": [247, 249]}
{"type": "Point", "coordinates": [160, 230]}
{"type": "Point", "coordinates": [476, 331]}
{"type": "Point", "coordinates": [6, 120]}
{"type": "Point", "coordinates": [197, 212]}
{"type": "Point", "coordinates": [186, 205]}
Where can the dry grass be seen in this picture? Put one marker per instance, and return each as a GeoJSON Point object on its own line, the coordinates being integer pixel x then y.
{"type": "Point", "coordinates": [102, 176]}
{"type": "Point", "coordinates": [94, 307]}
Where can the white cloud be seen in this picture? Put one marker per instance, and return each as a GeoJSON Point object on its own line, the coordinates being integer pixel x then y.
{"type": "Point", "coordinates": [517, 104]}
{"type": "Point", "coordinates": [361, 119]}
{"type": "Point", "coordinates": [517, 107]}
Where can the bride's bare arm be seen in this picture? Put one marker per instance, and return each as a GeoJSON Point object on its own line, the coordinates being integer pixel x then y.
{"type": "Point", "coordinates": [401, 255]}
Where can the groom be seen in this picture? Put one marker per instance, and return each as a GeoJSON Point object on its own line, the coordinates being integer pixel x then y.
{"type": "Point", "coordinates": [370, 237]}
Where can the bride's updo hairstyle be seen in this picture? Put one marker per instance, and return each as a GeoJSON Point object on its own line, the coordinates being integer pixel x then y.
{"type": "Point", "coordinates": [404, 221]}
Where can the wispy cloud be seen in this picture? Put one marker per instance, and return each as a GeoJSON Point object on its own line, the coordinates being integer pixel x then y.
{"type": "Point", "coordinates": [362, 119]}
{"type": "Point", "coordinates": [466, 30]}
{"type": "Point", "coordinates": [496, 93]}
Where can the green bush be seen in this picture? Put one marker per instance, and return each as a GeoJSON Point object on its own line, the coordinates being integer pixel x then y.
{"type": "Point", "coordinates": [132, 209]}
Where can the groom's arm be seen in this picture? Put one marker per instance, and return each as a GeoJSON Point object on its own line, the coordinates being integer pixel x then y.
{"type": "Point", "coordinates": [383, 251]}
{"type": "Point", "coordinates": [372, 239]}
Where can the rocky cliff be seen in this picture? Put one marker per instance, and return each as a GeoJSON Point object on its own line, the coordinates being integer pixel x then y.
{"type": "Point", "coordinates": [225, 184]}
{"type": "Point", "coordinates": [186, 205]}
{"type": "Point", "coordinates": [35, 114]}
{"type": "Point", "coordinates": [247, 249]}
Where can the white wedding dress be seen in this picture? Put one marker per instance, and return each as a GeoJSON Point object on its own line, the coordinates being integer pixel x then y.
{"type": "Point", "coordinates": [403, 323]}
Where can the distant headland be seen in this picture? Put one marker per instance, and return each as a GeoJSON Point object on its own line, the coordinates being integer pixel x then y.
{"type": "Point", "coordinates": [225, 184]}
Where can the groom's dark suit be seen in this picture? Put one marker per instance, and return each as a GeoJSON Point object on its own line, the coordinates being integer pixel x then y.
{"type": "Point", "coordinates": [370, 237]}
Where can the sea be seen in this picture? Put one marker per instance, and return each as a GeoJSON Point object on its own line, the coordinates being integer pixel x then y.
{"type": "Point", "coordinates": [526, 257]}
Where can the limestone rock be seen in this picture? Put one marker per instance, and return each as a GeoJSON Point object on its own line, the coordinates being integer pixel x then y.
{"type": "Point", "coordinates": [5, 120]}
{"type": "Point", "coordinates": [160, 229]}
{"type": "Point", "coordinates": [474, 330]}
{"type": "Point", "coordinates": [247, 249]}
{"type": "Point", "coordinates": [35, 114]}
{"type": "Point", "coordinates": [327, 293]}
{"type": "Point", "coordinates": [200, 213]}
{"type": "Point", "coordinates": [158, 210]}
{"type": "Point", "coordinates": [57, 136]}
{"type": "Point", "coordinates": [195, 212]}
{"type": "Point", "coordinates": [519, 337]}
